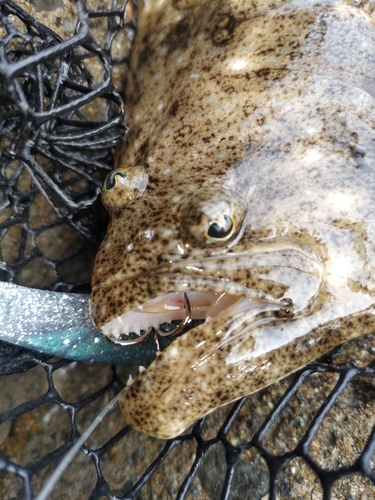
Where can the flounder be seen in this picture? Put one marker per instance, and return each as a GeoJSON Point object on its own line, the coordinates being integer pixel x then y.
{"type": "Point", "coordinates": [247, 181]}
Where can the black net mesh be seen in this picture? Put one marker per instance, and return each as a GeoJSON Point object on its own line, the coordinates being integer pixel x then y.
{"type": "Point", "coordinates": [59, 116]}
{"type": "Point", "coordinates": [308, 436]}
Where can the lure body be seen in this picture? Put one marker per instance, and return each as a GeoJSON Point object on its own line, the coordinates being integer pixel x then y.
{"type": "Point", "coordinates": [250, 170]}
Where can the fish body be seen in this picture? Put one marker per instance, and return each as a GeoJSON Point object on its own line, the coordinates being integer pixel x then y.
{"type": "Point", "coordinates": [248, 174]}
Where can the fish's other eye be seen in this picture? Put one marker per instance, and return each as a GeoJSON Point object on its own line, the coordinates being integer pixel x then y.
{"type": "Point", "coordinates": [113, 178]}
{"type": "Point", "coordinates": [122, 186]}
{"type": "Point", "coordinates": [213, 216]}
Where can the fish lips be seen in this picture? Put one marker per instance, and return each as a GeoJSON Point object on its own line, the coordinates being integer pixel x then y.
{"type": "Point", "coordinates": [108, 302]}
{"type": "Point", "coordinates": [148, 301]}
{"type": "Point", "coordinates": [286, 277]}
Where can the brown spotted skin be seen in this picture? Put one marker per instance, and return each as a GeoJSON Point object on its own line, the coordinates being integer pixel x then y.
{"type": "Point", "coordinates": [273, 102]}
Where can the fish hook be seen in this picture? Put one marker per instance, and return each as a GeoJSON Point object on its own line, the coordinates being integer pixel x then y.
{"type": "Point", "coordinates": [173, 333]}
{"type": "Point", "coordinates": [184, 322]}
{"type": "Point", "coordinates": [138, 340]}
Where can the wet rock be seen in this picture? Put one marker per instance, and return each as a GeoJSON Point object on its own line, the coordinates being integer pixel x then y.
{"type": "Point", "coordinates": [47, 5]}
{"type": "Point", "coordinates": [250, 480]}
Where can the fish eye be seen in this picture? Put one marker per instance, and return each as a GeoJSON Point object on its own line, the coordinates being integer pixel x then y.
{"type": "Point", "coordinates": [113, 178]}
{"type": "Point", "coordinates": [212, 217]}
{"type": "Point", "coordinates": [122, 186]}
{"type": "Point", "coordinates": [221, 229]}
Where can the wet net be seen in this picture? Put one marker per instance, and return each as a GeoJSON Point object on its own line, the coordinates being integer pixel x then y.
{"type": "Point", "coordinates": [310, 435]}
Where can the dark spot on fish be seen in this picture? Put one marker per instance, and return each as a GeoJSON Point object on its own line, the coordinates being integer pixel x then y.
{"type": "Point", "coordinates": [153, 181]}
{"type": "Point", "coordinates": [174, 109]}
{"type": "Point", "coordinates": [136, 96]}
{"type": "Point", "coordinates": [266, 51]}
{"type": "Point", "coordinates": [229, 90]}
{"type": "Point", "coordinates": [179, 36]}
{"type": "Point", "coordinates": [143, 152]}
{"type": "Point", "coordinates": [206, 68]}
{"type": "Point", "coordinates": [187, 129]}
{"type": "Point", "coordinates": [146, 53]}
{"type": "Point", "coordinates": [224, 25]}
{"type": "Point", "coordinates": [194, 53]}
{"type": "Point", "coordinates": [263, 72]}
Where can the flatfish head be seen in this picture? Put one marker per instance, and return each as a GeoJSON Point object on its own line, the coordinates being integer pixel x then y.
{"type": "Point", "coordinates": [247, 182]}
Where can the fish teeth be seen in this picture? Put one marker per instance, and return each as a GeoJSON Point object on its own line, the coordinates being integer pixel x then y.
{"type": "Point", "coordinates": [115, 333]}
{"type": "Point", "coordinates": [130, 380]}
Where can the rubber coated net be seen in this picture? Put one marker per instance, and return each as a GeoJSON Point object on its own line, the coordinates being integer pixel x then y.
{"type": "Point", "coordinates": [310, 435]}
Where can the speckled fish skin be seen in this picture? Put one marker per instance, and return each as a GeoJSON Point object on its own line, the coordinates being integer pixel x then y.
{"type": "Point", "coordinates": [274, 102]}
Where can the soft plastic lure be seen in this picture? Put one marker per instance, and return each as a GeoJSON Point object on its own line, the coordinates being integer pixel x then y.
{"type": "Point", "coordinates": [60, 324]}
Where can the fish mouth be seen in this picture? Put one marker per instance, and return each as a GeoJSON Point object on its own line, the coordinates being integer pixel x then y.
{"type": "Point", "coordinates": [174, 306]}
{"type": "Point", "coordinates": [194, 297]}
{"type": "Point", "coordinates": [160, 310]}
{"type": "Point", "coordinates": [275, 284]}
